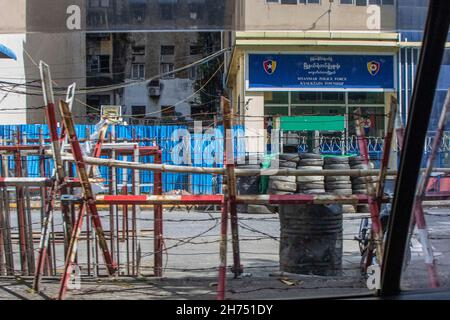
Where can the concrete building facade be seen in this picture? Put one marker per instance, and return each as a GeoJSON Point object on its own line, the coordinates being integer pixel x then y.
{"type": "Point", "coordinates": [313, 58]}
{"type": "Point", "coordinates": [132, 59]}
{"type": "Point", "coordinates": [60, 48]}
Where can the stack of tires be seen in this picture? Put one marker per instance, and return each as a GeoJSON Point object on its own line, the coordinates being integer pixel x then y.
{"type": "Point", "coordinates": [282, 185]}
{"type": "Point", "coordinates": [339, 185]}
{"type": "Point", "coordinates": [310, 184]}
{"type": "Point", "coordinates": [247, 185]}
{"type": "Point", "coordinates": [359, 184]}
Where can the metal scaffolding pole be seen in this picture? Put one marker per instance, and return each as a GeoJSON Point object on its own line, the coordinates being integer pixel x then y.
{"type": "Point", "coordinates": [89, 200]}
{"type": "Point", "coordinates": [231, 182]}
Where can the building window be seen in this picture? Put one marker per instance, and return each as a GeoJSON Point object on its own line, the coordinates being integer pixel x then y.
{"type": "Point", "coordinates": [366, 98]}
{"type": "Point", "coordinates": [195, 50]}
{"type": "Point", "coordinates": [276, 97]}
{"type": "Point", "coordinates": [196, 10]}
{"type": "Point", "coordinates": [318, 97]}
{"type": "Point", "coordinates": [98, 64]}
{"type": "Point", "coordinates": [167, 50]}
{"type": "Point", "coordinates": [367, 2]}
{"type": "Point", "coordinates": [167, 111]}
{"type": "Point", "coordinates": [193, 73]}
{"type": "Point", "coordinates": [167, 11]}
{"type": "Point", "coordinates": [166, 68]}
{"type": "Point", "coordinates": [138, 50]}
{"type": "Point", "coordinates": [138, 71]}
{"type": "Point", "coordinates": [138, 112]}
{"type": "Point", "coordinates": [294, 1]}
{"type": "Point", "coordinates": [276, 103]}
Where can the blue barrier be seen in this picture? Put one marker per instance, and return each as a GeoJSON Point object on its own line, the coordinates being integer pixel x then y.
{"type": "Point", "coordinates": [206, 151]}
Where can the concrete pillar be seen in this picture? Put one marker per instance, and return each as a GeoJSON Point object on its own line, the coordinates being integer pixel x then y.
{"type": "Point", "coordinates": [254, 122]}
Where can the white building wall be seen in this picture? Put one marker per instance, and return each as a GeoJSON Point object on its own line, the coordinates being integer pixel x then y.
{"type": "Point", "coordinates": [13, 71]}
{"type": "Point", "coordinates": [63, 52]}
{"type": "Point", "coordinates": [174, 92]}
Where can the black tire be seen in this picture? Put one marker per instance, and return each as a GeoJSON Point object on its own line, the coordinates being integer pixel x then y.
{"type": "Point", "coordinates": [361, 180]}
{"type": "Point", "coordinates": [356, 159]}
{"type": "Point", "coordinates": [337, 179]}
{"type": "Point", "coordinates": [248, 166]}
{"type": "Point", "coordinates": [289, 157]}
{"type": "Point", "coordinates": [311, 185]}
{"type": "Point", "coordinates": [343, 192]}
{"type": "Point", "coordinates": [282, 186]}
{"type": "Point", "coordinates": [310, 179]}
{"type": "Point", "coordinates": [306, 168]}
{"type": "Point", "coordinates": [311, 162]}
{"type": "Point", "coordinates": [336, 161]}
{"type": "Point", "coordinates": [287, 164]}
{"type": "Point", "coordinates": [336, 167]}
{"type": "Point", "coordinates": [361, 186]}
{"type": "Point", "coordinates": [303, 156]}
{"type": "Point", "coordinates": [283, 164]}
{"type": "Point", "coordinates": [338, 182]}
{"type": "Point", "coordinates": [337, 187]}
{"type": "Point", "coordinates": [279, 193]}
{"type": "Point", "coordinates": [284, 178]}
{"type": "Point", "coordinates": [313, 191]}
{"type": "Point", "coordinates": [360, 167]}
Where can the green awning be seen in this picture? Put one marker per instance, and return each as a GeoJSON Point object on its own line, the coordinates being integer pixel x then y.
{"type": "Point", "coordinates": [313, 123]}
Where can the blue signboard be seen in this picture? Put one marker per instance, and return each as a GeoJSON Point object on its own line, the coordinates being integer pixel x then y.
{"type": "Point", "coordinates": [320, 71]}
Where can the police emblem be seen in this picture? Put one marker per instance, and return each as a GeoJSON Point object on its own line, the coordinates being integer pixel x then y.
{"type": "Point", "coordinates": [374, 67]}
{"type": "Point", "coordinates": [270, 66]}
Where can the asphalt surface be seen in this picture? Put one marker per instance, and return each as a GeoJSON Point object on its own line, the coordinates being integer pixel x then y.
{"type": "Point", "coordinates": [190, 263]}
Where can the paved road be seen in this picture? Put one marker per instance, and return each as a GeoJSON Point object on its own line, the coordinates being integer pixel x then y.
{"type": "Point", "coordinates": [192, 259]}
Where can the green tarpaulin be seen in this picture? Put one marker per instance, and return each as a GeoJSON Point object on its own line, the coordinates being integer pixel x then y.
{"type": "Point", "coordinates": [313, 123]}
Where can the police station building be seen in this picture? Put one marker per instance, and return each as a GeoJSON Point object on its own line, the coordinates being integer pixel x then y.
{"type": "Point", "coordinates": [285, 78]}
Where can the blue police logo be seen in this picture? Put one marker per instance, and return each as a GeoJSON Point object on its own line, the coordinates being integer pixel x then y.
{"type": "Point", "coordinates": [374, 67]}
{"type": "Point", "coordinates": [270, 66]}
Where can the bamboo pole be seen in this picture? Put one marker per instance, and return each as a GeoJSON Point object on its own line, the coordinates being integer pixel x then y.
{"type": "Point", "coordinates": [7, 221]}
{"type": "Point", "coordinates": [229, 163]}
{"type": "Point", "coordinates": [239, 172]}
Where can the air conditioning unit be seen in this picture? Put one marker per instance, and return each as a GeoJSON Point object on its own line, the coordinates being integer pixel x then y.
{"type": "Point", "coordinates": [154, 92]}
{"type": "Point", "coordinates": [154, 88]}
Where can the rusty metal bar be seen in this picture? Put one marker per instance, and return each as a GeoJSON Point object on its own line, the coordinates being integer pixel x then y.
{"type": "Point", "coordinates": [72, 250]}
{"type": "Point", "coordinates": [28, 215]}
{"type": "Point", "coordinates": [125, 224]}
{"type": "Point", "coordinates": [232, 188]}
{"type": "Point", "coordinates": [21, 220]}
{"type": "Point", "coordinates": [386, 151]}
{"type": "Point", "coordinates": [421, 193]}
{"type": "Point", "coordinates": [222, 277]}
{"type": "Point", "coordinates": [88, 195]}
{"type": "Point", "coordinates": [47, 260]}
{"type": "Point", "coordinates": [58, 177]}
{"type": "Point", "coordinates": [240, 199]}
{"type": "Point", "coordinates": [376, 229]}
{"type": "Point", "coordinates": [25, 182]}
{"type": "Point", "coordinates": [50, 113]}
{"type": "Point", "coordinates": [7, 221]}
{"type": "Point", "coordinates": [158, 220]}
{"type": "Point", "coordinates": [3, 254]}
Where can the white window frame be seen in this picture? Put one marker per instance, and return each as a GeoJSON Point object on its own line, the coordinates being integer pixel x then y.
{"type": "Point", "coordinates": [298, 2]}
{"type": "Point", "coordinates": [138, 67]}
